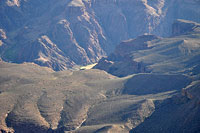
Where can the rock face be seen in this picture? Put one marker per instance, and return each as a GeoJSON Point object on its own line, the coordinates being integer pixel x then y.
{"type": "Point", "coordinates": [82, 30]}
{"type": "Point", "coordinates": [140, 43]}
{"type": "Point", "coordinates": [36, 99]}
{"type": "Point", "coordinates": [149, 53]}
{"type": "Point", "coordinates": [120, 63]}
{"type": "Point", "coordinates": [159, 89]}
{"type": "Point", "coordinates": [181, 26]}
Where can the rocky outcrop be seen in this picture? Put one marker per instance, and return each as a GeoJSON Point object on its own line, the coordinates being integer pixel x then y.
{"type": "Point", "coordinates": [120, 62]}
{"type": "Point", "coordinates": [183, 27]}
{"type": "Point", "coordinates": [3, 37]}
{"type": "Point", "coordinates": [85, 30]}
{"type": "Point", "coordinates": [192, 92]}
{"type": "Point", "coordinates": [140, 43]}
{"type": "Point", "coordinates": [121, 68]}
{"type": "Point", "coordinates": [2, 34]}
{"type": "Point", "coordinates": [149, 53]}
{"type": "Point", "coordinates": [161, 96]}
{"type": "Point", "coordinates": [64, 101]}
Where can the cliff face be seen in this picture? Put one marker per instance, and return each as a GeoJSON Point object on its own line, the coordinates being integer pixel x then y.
{"type": "Point", "coordinates": [149, 53]}
{"type": "Point", "coordinates": [120, 62]}
{"type": "Point", "coordinates": [184, 27]}
{"type": "Point", "coordinates": [83, 30]}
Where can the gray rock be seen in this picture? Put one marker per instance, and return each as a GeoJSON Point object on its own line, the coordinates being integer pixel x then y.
{"type": "Point", "coordinates": [87, 30]}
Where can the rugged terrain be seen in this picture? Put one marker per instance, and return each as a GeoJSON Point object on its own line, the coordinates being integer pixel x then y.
{"type": "Point", "coordinates": [158, 90]}
{"type": "Point", "coordinates": [62, 34]}
{"type": "Point", "coordinates": [149, 83]}
{"type": "Point", "coordinates": [37, 99]}
{"type": "Point", "coordinates": [151, 54]}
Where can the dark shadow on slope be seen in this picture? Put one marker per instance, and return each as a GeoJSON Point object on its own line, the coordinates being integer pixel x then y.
{"type": "Point", "coordinates": [176, 115]}
{"type": "Point", "coordinates": [143, 84]}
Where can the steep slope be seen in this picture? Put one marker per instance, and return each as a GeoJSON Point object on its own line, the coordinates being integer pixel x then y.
{"type": "Point", "coordinates": [41, 100]}
{"type": "Point", "coordinates": [150, 54]}
{"type": "Point", "coordinates": [83, 30]}
{"type": "Point", "coordinates": [73, 30]}
{"type": "Point", "coordinates": [181, 26]}
{"type": "Point", "coordinates": [161, 93]}
{"type": "Point", "coordinates": [120, 62]}
{"type": "Point", "coordinates": [168, 118]}
{"type": "Point", "coordinates": [159, 65]}
{"type": "Point", "coordinates": [165, 85]}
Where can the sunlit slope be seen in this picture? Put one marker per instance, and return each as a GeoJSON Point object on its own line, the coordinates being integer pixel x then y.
{"type": "Point", "coordinates": [37, 99]}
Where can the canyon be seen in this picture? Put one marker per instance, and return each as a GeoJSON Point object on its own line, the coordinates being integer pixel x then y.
{"type": "Point", "coordinates": [63, 34]}
{"type": "Point", "coordinates": [99, 66]}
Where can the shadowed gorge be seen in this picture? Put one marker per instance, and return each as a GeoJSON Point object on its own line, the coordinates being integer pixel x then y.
{"type": "Point", "coordinates": [63, 34]}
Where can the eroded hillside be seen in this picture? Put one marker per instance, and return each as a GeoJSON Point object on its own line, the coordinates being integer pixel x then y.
{"type": "Point", "coordinates": [148, 84]}
{"type": "Point", "coordinates": [37, 99]}
{"type": "Point", "coordinates": [152, 54]}
{"type": "Point", "coordinates": [65, 33]}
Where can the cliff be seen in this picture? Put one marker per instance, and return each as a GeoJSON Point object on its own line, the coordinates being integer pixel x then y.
{"type": "Point", "coordinates": [84, 30]}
